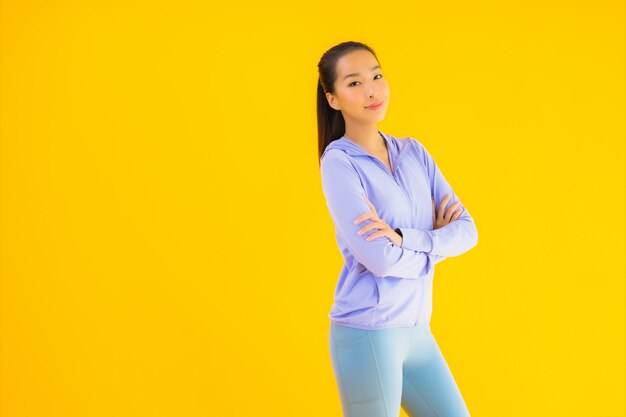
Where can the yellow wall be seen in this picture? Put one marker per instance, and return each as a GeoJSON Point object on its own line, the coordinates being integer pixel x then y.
{"type": "Point", "coordinates": [166, 249]}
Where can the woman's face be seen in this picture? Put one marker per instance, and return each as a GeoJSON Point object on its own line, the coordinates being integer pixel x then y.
{"type": "Point", "coordinates": [360, 83]}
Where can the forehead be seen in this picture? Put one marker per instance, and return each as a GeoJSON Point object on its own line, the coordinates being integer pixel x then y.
{"type": "Point", "coordinates": [359, 61]}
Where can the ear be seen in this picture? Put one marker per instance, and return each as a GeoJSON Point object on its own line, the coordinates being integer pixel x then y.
{"type": "Point", "coordinates": [332, 101]}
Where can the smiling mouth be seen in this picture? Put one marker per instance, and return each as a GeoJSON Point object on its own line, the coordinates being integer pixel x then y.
{"type": "Point", "coordinates": [374, 106]}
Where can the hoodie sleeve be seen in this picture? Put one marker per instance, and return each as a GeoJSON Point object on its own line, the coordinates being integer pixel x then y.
{"type": "Point", "coordinates": [454, 238]}
{"type": "Point", "coordinates": [436, 258]}
{"type": "Point", "coordinates": [344, 197]}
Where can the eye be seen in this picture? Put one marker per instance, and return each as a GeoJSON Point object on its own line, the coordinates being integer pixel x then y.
{"type": "Point", "coordinates": [381, 75]}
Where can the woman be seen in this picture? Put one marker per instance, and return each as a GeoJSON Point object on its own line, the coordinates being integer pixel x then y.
{"type": "Point", "coordinates": [395, 217]}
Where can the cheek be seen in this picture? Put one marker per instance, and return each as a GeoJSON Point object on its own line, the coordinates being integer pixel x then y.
{"type": "Point", "coordinates": [350, 99]}
{"type": "Point", "coordinates": [386, 89]}
{"type": "Point", "coordinates": [353, 102]}
{"type": "Point", "coordinates": [355, 98]}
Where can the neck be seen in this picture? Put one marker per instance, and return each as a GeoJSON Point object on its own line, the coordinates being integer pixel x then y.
{"type": "Point", "coordinates": [367, 137]}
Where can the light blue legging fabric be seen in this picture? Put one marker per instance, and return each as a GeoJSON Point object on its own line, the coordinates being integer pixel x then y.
{"type": "Point", "coordinates": [379, 371]}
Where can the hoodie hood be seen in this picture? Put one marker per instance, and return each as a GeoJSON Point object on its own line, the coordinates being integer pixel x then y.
{"type": "Point", "coordinates": [396, 147]}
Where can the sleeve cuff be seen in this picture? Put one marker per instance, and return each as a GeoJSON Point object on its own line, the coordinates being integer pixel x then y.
{"type": "Point", "coordinates": [417, 240]}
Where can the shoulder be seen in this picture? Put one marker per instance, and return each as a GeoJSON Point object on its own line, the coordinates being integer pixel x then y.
{"type": "Point", "coordinates": [416, 147]}
{"type": "Point", "coordinates": [334, 153]}
{"type": "Point", "coordinates": [336, 157]}
{"type": "Point", "coordinates": [420, 150]}
{"type": "Point", "coordinates": [337, 162]}
{"type": "Point", "coordinates": [415, 144]}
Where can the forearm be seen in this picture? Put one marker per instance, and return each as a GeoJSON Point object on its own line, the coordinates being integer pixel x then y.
{"type": "Point", "coordinates": [453, 239]}
{"type": "Point", "coordinates": [343, 193]}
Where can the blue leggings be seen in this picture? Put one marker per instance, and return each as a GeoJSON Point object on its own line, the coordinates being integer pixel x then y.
{"type": "Point", "coordinates": [378, 371]}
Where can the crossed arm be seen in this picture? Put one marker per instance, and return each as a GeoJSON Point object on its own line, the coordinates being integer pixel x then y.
{"type": "Point", "coordinates": [420, 250]}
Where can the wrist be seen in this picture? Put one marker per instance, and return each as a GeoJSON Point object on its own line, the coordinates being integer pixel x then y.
{"type": "Point", "coordinates": [399, 232]}
{"type": "Point", "coordinates": [416, 239]}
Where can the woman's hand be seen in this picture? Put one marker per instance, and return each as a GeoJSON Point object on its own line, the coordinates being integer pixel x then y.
{"type": "Point", "coordinates": [441, 220]}
{"type": "Point", "coordinates": [377, 223]}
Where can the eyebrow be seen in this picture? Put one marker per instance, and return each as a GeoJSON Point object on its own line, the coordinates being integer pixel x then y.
{"type": "Point", "coordinates": [354, 74]}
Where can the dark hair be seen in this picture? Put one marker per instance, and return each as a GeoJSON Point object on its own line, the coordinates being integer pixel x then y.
{"type": "Point", "coordinates": [330, 122]}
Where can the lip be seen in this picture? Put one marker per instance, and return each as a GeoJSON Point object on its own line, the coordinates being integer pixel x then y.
{"type": "Point", "coordinates": [375, 106]}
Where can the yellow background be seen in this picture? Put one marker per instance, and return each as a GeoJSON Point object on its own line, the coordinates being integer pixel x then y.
{"type": "Point", "coordinates": [166, 249]}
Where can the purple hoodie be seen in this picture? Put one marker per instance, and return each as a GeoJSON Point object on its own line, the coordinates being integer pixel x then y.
{"type": "Point", "coordinates": [382, 285]}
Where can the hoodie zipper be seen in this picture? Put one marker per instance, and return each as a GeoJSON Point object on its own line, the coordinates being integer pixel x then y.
{"type": "Point", "coordinates": [394, 169]}
{"type": "Point", "coordinates": [393, 175]}
{"type": "Point", "coordinates": [421, 305]}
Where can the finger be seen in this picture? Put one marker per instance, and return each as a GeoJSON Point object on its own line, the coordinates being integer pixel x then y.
{"type": "Point", "coordinates": [442, 206]}
{"type": "Point", "coordinates": [365, 216]}
{"type": "Point", "coordinates": [376, 234]}
{"type": "Point", "coordinates": [370, 226]}
{"type": "Point", "coordinates": [457, 214]}
{"type": "Point", "coordinates": [451, 209]}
